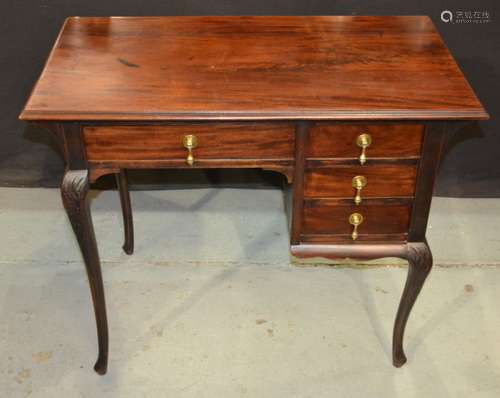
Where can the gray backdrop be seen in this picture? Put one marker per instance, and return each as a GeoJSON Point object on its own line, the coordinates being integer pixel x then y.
{"type": "Point", "coordinates": [29, 28]}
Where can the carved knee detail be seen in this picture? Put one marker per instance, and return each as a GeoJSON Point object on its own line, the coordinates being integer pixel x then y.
{"type": "Point", "coordinates": [419, 255]}
{"type": "Point", "coordinates": [74, 188]}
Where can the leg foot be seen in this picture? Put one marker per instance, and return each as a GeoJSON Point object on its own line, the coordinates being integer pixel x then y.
{"type": "Point", "coordinates": [420, 263]}
{"type": "Point", "coordinates": [122, 184]}
{"type": "Point", "coordinates": [101, 366]}
{"type": "Point", "coordinates": [74, 189]}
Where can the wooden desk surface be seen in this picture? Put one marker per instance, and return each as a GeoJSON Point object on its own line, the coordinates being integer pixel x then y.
{"type": "Point", "coordinates": [212, 68]}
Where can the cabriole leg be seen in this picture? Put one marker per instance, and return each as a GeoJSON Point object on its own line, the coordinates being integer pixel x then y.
{"type": "Point", "coordinates": [128, 224]}
{"type": "Point", "coordinates": [420, 263]}
{"type": "Point", "coordinates": [74, 190]}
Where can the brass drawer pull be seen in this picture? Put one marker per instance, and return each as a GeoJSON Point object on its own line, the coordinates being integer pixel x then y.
{"type": "Point", "coordinates": [355, 219]}
{"type": "Point", "coordinates": [363, 141]}
{"type": "Point", "coordinates": [190, 142]}
{"type": "Point", "coordinates": [358, 183]}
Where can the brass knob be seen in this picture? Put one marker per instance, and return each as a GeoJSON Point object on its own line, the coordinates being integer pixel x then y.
{"type": "Point", "coordinates": [358, 183]}
{"type": "Point", "coordinates": [363, 141]}
{"type": "Point", "coordinates": [355, 219]}
{"type": "Point", "coordinates": [190, 142]}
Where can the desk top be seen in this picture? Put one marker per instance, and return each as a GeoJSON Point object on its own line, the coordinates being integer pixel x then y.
{"type": "Point", "coordinates": [242, 68]}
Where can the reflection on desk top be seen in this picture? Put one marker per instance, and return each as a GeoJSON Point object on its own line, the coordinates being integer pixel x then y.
{"type": "Point", "coordinates": [244, 68]}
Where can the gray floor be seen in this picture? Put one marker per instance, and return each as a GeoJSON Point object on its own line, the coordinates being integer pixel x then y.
{"type": "Point", "coordinates": [210, 305]}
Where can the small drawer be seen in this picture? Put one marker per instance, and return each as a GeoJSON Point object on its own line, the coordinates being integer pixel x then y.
{"type": "Point", "coordinates": [380, 181]}
{"type": "Point", "coordinates": [212, 141]}
{"type": "Point", "coordinates": [330, 217]}
{"type": "Point", "coordinates": [340, 140]}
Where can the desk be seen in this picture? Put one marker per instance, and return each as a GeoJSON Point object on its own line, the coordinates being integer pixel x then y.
{"type": "Point", "coordinates": [352, 110]}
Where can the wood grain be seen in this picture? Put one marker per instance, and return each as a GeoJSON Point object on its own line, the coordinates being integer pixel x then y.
{"type": "Point", "coordinates": [280, 67]}
{"type": "Point", "coordinates": [435, 134]}
{"type": "Point", "coordinates": [346, 239]}
{"type": "Point", "coordinates": [298, 182]}
{"type": "Point", "coordinates": [330, 217]}
{"type": "Point", "coordinates": [341, 251]}
{"type": "Point", "coordinates": [215, 141]}
{"type": "Point", "coordinates": [382, 181]}
{"type": "Point", "coordinates": [333, 162]}
{"type": "Point", "coordinates": [338, 140]}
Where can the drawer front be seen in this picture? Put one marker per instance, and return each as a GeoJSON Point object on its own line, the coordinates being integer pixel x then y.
{"type": "Point", "coordinates": [332, 218]}
{"type": "Point", "coordinates": [387, 140]}
{"type": "Point", "coordinates": [214, 141]}
{"type": "Point", "coordinates": [381, 181]}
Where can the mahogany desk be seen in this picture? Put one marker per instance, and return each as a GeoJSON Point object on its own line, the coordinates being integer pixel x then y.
{"type": "Point", "coordinates": [352, 110]}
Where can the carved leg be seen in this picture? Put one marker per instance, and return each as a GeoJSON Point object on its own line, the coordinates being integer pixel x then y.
{"type": "Point", "coordinates": [74, 189]}
{"type": "Point", "coordinates": [122, 184]}
{"type": "Point", "coordinates": [420, 263]}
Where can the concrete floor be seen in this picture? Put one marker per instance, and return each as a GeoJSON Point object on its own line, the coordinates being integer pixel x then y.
{"type": "Point", "coordinates": [210, 306]}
